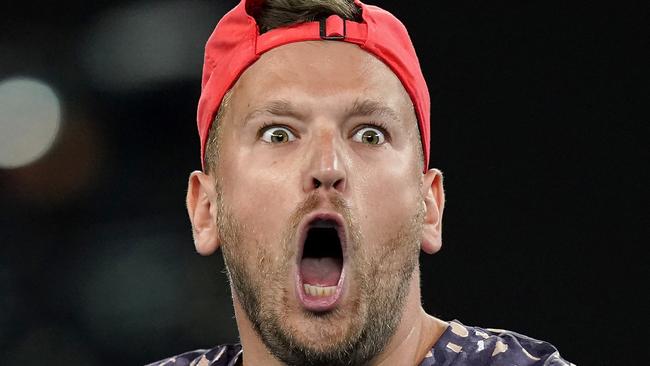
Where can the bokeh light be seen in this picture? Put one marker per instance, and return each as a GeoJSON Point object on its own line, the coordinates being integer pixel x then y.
{"type": "Point", "coordinates": [30, 119]}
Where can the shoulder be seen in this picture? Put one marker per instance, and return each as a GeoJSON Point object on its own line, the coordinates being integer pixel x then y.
{"type": "Point", "coordinates": [223, 355]}
{"type": "Point", "coordinates": [462, 345]}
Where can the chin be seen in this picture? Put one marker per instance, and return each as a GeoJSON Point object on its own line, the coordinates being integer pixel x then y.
{"type": "Point", "coordinates": [324, 331]}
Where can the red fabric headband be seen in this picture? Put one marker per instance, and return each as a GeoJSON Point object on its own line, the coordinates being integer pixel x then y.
{"type": "Point", "coordinates": [236, 44]}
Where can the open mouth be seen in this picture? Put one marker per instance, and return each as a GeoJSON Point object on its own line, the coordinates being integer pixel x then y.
{"type": "Point", "coordinates": [320, 268]}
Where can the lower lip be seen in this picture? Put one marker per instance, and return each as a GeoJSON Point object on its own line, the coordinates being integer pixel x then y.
{"type": "Point", "coordinates": [317, 303]}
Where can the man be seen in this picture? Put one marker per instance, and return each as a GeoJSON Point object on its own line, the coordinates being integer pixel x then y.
{"type": "Point", "coordinates": [314, 126]}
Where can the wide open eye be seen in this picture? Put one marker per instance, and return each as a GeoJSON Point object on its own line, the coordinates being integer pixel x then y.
{"type": "Point", "coordinates": [369, 135]}
{"type": "Point", "coordinates": [277, 135]}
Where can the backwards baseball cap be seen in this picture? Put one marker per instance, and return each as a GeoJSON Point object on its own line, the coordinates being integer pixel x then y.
{"type": "Point", "coordinates": [236, 44]}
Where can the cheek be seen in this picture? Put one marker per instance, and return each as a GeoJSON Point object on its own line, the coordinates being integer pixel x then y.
{"type": "Point", "coordinates": [257, 194]}
{"type": "Point", "coordinates": [386, 204]}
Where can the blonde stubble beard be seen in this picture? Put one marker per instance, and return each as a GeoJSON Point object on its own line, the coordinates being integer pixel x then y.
{"type": "Point", "coordinates": [351, 337]}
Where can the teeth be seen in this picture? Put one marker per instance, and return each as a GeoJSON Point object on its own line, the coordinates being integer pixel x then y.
{"type": "Point", "coordinates": [319, 291]}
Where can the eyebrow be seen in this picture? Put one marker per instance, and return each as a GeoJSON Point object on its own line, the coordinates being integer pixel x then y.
{"type": "Point", "coordinates": [368, 107]}
{"type": "Point", "coordinates": [279, 107]}
{"type": "Point", "coordinates": [360, 107]}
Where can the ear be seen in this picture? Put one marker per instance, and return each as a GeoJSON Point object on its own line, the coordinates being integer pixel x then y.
{"type": "Point", "coordinates": [434, 201]}
{"type": "Point", "coordinates": [200, 200]}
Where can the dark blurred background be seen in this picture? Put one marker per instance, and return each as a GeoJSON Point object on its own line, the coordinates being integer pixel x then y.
{"type": "Point", "coordinates": [536, 121]}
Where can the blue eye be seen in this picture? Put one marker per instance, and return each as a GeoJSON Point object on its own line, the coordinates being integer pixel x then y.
{"type": "Point", "coordinates": [370, 136]}
{"type": "Point", "coordinates": [277, 135]}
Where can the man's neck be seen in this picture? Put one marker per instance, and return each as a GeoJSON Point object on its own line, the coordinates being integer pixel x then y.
{"type": "Point", "coordinates": [415, 336]}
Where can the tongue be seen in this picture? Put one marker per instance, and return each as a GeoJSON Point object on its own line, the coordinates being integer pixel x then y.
{"type": "Point", "coordinates": [321, 271]}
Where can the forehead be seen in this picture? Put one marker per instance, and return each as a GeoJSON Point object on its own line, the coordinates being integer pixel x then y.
{"type": "Point", "coordinates": [322, 72]}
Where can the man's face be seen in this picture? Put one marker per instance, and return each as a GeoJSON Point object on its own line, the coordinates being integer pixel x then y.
{"type": "Point", "coordinates": [319, 201]}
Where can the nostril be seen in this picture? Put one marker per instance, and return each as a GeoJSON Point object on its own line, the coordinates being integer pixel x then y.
{"type": "Point", "coordinates": [339, 184]}
{"type": "Point", "coordinates": [317, 183]}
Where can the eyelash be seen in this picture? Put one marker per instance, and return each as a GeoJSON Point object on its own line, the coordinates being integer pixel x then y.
{"type": "Point", "coordinates": [378, 125]}
{"type": "Point", "coordinates": [266, 125]}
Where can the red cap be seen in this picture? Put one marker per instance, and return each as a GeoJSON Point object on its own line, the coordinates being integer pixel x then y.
{"type": "Point", "coordinates": [236, 44]}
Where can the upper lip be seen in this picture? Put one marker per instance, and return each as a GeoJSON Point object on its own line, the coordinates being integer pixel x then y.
{"type": "Point", "coordinates": [324, 215]}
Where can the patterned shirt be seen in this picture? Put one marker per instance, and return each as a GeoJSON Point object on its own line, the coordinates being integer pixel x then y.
{"type": "Point", "coordinates": [459, 345]}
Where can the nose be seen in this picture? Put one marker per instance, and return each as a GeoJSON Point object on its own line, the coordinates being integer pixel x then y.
{"type": "Point", "coordinates": [325, 166]}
